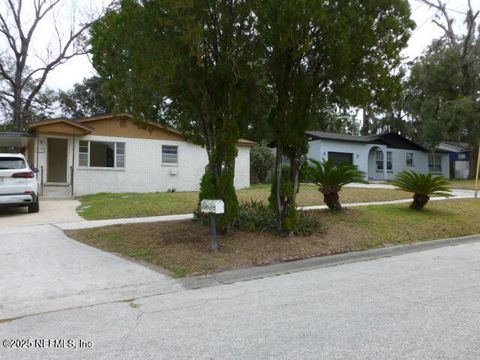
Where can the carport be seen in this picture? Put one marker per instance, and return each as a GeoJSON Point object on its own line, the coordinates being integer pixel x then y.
{"type": "Point", "coordinates": [22, 142]}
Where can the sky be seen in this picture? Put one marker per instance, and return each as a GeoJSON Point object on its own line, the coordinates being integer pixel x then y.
{"type": "Point", "coordinates": [76, 69]}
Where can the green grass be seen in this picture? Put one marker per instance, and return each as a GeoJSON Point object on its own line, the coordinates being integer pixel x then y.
{"type": "Point", "coordinates": [115, 206]}
{"type": "Point", "coordinates": [183, 247]}
{"type": "Point", "coordinates": [463, 184]}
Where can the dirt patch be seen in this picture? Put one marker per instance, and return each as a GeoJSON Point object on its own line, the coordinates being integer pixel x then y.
{"type": "Point", "coordinates": [183, 247]}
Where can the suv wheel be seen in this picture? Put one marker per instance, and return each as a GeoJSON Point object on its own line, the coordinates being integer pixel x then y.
{"type": "Point", "coordinates": [34, 207]}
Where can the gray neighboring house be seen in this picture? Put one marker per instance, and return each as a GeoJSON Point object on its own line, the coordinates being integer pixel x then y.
{"type": "Point", "coordinates": [459, 158]}
{"type": "Point", "coordinates": [381, 156]}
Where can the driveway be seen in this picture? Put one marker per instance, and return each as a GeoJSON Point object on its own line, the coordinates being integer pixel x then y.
{"type": "Point", "coordinates": [51, 211]}
{"type": "Point", "coordinates": [42, 270]}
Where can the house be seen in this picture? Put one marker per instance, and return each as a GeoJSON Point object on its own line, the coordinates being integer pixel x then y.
{"type": "Point", "coordinates": [459, 158]}
{"type": "Point", "coordinates": [111, 153]}
{"type": "Point", "coordinates": [380, 157]}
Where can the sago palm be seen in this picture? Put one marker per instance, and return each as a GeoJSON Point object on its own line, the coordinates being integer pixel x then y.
{"type": "Point", "coordinates": [330, 179]}
{"type": "Point", "coordinates": [422, 186]}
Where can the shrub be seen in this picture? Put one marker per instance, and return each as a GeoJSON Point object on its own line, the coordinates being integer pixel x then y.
{"type": "Point", "coordinates": [330, 179]}
{"type": "Point", "coordinates": [262, 161]}
{"type": "Point", "coordinates": [224, 191]}
{"type": "Point", "coordinates": [257, 216]}
{"type": "Point", "coordinates": [422, 186]}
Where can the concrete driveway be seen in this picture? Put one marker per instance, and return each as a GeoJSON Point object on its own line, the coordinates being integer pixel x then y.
{"type": "Point", "coordinates": [51, 211]}
{"type": "Point", "coordinates": [41, 270]}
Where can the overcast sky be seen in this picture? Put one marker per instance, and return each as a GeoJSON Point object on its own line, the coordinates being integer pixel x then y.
{"type": "Point", "coordinates": [78, 68]}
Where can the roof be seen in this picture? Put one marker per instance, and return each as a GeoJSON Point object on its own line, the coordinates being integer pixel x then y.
{"type": "Point", "coordinates": [457, 144]}
{"type": "Point", "coordinates": [80, 123]}
{"type": "Point", "coordinates": [340, 137]}
{"type": "Point", "coordinates": [73, 123]}
{"type": "Point", "coordinates": [15, 139]}
{"type": "Point", "coordinates": [390, 139]}
{"type": "Point", "coordinates": [12, 155]}
{"type": "Point", "coordinates": [454, 147]}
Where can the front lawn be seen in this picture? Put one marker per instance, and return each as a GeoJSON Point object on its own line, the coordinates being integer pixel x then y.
{"type": "Point", "coordinates": [183, 247]}
{"type": "Point", "coordinates": [463, 184]}
{"type": "Point", "coordinates": [116, 206]}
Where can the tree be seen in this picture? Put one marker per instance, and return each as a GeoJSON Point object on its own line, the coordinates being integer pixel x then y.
{"type": "Point", "coordinates": [422, 186]}
{"type": "Point", "coordinates": [444, 85]}
{"type": "Point", "coordinates": [85, 99]}
{"type": "Point", "coordinates": [262, 161]}
{"type": "Point", "coordinates": [20, 83]}
{"type": "Point", "coordinates": [191, 61]}
{"type": "Point", "coordinates": [318, 54]}
{"type": "Point", "coordinates": [330, 179]}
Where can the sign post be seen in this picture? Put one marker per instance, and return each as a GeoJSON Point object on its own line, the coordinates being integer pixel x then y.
{"type": "Point", "coordinates": [212, 208]}
{"type": "Point", "coordinates": [477, 174]}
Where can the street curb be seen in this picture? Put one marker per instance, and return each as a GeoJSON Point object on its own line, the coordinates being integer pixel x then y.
{"type": "Point", "coordinates": [259, 272]}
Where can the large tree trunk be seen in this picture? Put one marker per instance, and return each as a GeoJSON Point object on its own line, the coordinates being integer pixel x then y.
{"type": "Point", "coordinates": [277, 198]}
{"type": "Point", "coordinates": [285, 189]}
{"type": "Point", "coordinates": [365, 130]}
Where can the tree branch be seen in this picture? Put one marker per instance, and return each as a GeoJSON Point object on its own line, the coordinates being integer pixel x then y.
{"type": "Point", "coordinates": [61, 58]}
{"type": "Point", "coordinates": [3, 72]}
{"type": "Point", "coordinates": [448, 27]}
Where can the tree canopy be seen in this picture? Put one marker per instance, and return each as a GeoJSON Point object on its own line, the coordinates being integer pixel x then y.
{"type": "Point", "coordinates": [320, 54]}
{"type": "Point", "coordinates": [223, 68]}
{"type": "Point", "coordinates": [442, 92]}
{"type": "Point", "coordinates": [191, 62]}
{"type": "Point", "coordinates": [85, 99]}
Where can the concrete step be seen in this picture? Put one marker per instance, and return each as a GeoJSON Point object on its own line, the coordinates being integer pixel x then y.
{"type": "Point", "coordinates": [57, 191]}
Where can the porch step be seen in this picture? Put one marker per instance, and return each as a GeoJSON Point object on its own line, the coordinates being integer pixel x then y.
{"type": "Point", "coordinates": [57, 192]}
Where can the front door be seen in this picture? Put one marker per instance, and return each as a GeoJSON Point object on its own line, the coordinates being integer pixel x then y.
{"type": "Point", "coordinates": [57, 150]}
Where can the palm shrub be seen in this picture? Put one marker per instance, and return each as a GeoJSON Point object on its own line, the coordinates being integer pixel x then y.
{"type": "Point", "coordinates": [422, 186]}
{"type": "Point", "coordinates": [330, 179]}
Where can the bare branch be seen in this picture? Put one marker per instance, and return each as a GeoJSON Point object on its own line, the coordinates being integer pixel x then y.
{"type": "Point", "coordinates": [25, 84]}
{"type": "Point", "coordinates": [60, 59]}
{"type": "Point", "coordinates": [448, 26]}
{"type": "Point", "coordinates": [470, 21]}
{"type": "Point", "coordinates": [4, 29]}
{"type": "Point", "coordinates": [4, 73]}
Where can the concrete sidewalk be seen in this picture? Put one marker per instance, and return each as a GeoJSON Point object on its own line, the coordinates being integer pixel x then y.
{"type": "Point", "coordinates": [88, 224]}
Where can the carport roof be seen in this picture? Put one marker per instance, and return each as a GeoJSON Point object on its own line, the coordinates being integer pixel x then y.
{"type": "Point", "coordinates": [15, 139]}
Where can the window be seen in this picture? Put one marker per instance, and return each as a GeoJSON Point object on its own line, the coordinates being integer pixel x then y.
{"type": "Point", "coordinates": [101, 154]}
{"type": "Point", "coordinates": [410, 159]}
{"type": "Point", "coordinates": [379, 160]}
{"type": "Point", "coordinates": [169, 154]}
{"type": "Point", "coordinates": [12, 163]}
{"type": "Point", "coordinates": [340, 158]}
{"type": "Point", "coordinates": [435, 163]}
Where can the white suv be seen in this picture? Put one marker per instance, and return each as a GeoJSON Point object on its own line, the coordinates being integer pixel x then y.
{"type": "Point", "coordinates": [18, 184]}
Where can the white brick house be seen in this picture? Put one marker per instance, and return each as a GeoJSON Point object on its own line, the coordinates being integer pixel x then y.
{"type": "Point", "coordinates": [112, 154]}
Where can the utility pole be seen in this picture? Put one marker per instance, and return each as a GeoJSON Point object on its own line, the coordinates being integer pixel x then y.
{"type": "Point", "coordinates": [477, 174]}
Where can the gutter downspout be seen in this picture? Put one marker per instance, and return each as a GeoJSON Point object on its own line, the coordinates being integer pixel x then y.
{"type": "Point", "coordinates": [72, 173]}
{"type": "Point", "coordinates": [384, 164]}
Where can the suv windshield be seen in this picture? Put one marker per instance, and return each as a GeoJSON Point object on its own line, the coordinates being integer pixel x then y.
{"type": "Point", "coordinates": [11, 163]}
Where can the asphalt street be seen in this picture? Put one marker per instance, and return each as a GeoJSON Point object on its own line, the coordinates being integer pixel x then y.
{"type": "Point", "coordinates": [423, 305]}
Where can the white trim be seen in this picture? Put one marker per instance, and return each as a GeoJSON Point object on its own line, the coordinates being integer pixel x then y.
{"type": "Point", "coordinates": [114, 155]}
